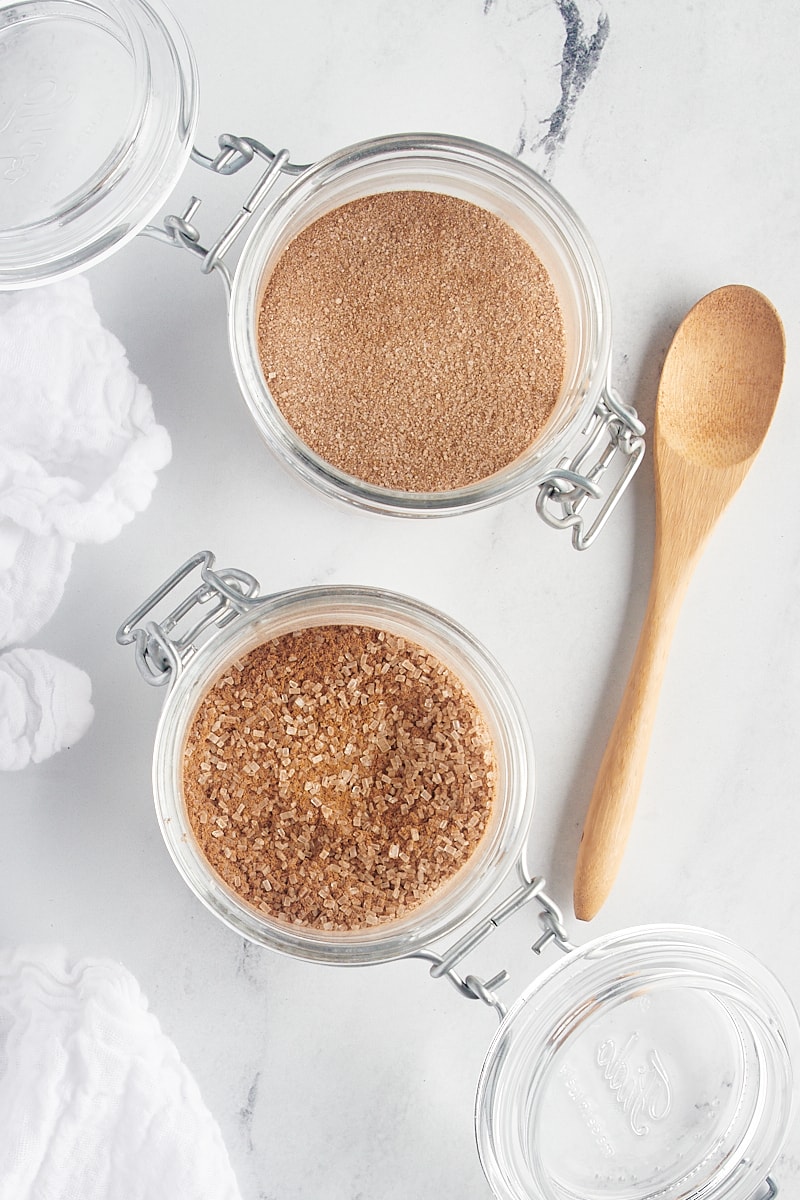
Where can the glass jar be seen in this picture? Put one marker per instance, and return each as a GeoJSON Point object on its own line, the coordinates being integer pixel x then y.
{"type": "Point", "coordinates": [657, 1063]}
{"type": "Point", "coordinates": [98, 108]}
{"type": "Point", "coordinates": [240, 621]}
{"type": "Point", "coordinates": [493, 181]}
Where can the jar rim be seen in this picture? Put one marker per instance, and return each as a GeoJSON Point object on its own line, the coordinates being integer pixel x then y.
{"type": "Point", "coordinates": [450, 163]}
{"type": "Point", "coordinates": [499, 852]}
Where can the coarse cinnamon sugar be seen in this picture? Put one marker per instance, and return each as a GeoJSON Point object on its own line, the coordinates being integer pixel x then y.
{"type": "Point", "coordinates": [413, 340]}
{"type": "Point", "coordinates": [337, 776]}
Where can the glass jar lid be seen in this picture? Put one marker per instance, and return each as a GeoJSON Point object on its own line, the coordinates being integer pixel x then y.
{"type": "Point", "coordinates": [98, 105]}
{"type": "Point", "coordinates": [655, 1062]}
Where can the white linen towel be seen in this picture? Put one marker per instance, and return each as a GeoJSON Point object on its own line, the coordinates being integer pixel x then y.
{"type": "Point", "coordinates": [95, 1103]}
{"type": "Point", "coordinates": [79, 452]}
{"type": "Point", "coordinates": [44, 706]}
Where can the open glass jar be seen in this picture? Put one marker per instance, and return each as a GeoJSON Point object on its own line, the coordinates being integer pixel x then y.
{"type": "Point", "coordinates": [98, 108]}
{"type": "Point", "coordinates": [658, 1063]}
{"type": "Point", "coordinates": [492, 181]}
{"type": "Point", "coordinates": [241, 620]}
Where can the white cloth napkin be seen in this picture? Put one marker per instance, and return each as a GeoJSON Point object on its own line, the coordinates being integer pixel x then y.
{"type": "Point", "coordinates": [95, 1103]}
{"type": "Point", "coordinates": [79, 451]}
{"type": "Point", "coordinates": [44, 706]}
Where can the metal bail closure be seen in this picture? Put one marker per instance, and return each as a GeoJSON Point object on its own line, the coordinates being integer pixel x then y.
{"type": "Point", "coordinates": [614, 430]}
{"type": "Point", "coordinates": [223, 595]}
{"type": "Point", "coordinates": [472, 987]}
{"type": "Point", "coordinates": [233, 154]}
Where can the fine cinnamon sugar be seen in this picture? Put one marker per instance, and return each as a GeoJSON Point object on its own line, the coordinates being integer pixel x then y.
{"type": "Point", "coordinates": [336, 777]}
{"type": "Point", "coordinates": [413, 340]}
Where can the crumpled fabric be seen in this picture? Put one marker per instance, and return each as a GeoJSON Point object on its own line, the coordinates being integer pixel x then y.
{"type": "Point", "coordinates": [45, 705]}
{"type": "Point", "coordinates": [79, 452]}
{"type": "Point", "coordinates": [33, 572]}
{"type": "Point", "coordinates": [95, 1103]}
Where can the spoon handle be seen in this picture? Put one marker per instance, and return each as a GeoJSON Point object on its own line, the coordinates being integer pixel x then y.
{"type": "Point", "coordinates": [616, 791]}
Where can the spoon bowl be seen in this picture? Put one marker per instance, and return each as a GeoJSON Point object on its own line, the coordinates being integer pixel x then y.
{"type": "Point", "coordinates": [716, 398]}
{"type": "Point", "coordinates": [721, 379]}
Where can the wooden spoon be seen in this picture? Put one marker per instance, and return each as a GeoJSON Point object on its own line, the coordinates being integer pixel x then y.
{"type": "Point", "coordinates": [718, 391]}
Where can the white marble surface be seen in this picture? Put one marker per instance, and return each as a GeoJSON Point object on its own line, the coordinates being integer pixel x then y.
{"type": "Point", "coordinates": [681, 155]}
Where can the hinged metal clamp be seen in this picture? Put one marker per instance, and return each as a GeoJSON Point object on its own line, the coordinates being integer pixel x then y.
{"type": "Point", "coordinates": [160, 653]}
{"type": "Point", "coordinates": [614, 430]}
{"type": "Point", "coordinates": [233, 154]}
{"type": "Point", "coordinates": [472, 986]}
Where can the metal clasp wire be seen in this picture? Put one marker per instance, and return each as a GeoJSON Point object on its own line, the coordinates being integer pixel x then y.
{"type": "Point", "coordinates": [472, 986]}
{"type": "Point", "coordinates": [233, 154]}
{"type": "Point", "coordinates": [159, 654]}
{"type": "Point", "coordinates": [564, 492]}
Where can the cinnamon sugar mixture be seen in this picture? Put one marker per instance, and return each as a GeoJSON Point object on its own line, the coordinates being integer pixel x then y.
{"type": "Point", "coordinates": [413, 340]}
{"type": "Point", "coordinates": [336, 777]}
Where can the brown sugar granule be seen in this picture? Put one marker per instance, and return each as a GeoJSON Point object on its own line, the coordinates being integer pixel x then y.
{"type": "Point", "coordinates": [413, 340]}
{"type": "Point", "coordinates": [337, 776]}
